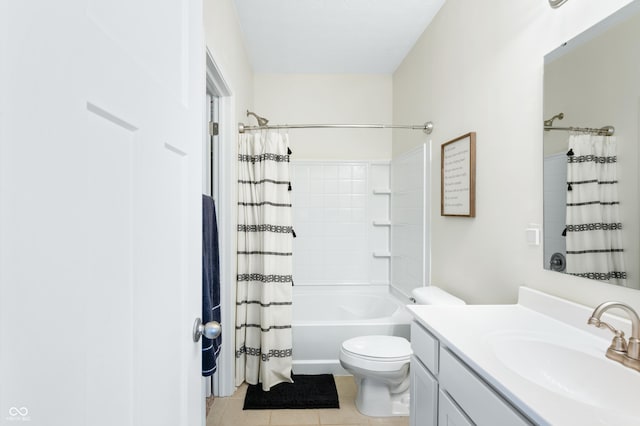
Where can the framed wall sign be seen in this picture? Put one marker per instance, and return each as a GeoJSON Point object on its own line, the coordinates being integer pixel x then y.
{"type": "Point", "coordinates": [458, 176]}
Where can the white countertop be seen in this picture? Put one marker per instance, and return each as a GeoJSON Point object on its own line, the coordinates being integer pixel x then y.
{"type": "Point", "coordinates": [470, 332]}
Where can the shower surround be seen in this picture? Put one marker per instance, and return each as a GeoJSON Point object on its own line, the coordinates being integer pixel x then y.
{"type": "Point", "coordinates": [341, 262]}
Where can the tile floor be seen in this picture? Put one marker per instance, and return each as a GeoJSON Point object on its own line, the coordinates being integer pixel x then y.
{"type": "Point", "coordinates": [228, 412]}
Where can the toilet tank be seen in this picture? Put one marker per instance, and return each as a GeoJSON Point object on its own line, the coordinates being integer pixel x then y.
{"type": "Point", "coordinates": [432, 295]}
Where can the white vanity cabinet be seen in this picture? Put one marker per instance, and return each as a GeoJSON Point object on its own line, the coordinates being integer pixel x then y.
{"type": "Point", "coordinates": [446, 392]}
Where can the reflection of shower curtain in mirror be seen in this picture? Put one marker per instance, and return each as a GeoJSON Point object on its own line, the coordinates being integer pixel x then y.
{"type": "Point", "coordinates": [263, 300]}
{"type": "Point", "coordinates": [594, 230]}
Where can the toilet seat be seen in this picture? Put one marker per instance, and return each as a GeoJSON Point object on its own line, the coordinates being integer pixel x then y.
{"type": "Point", "coordinates": [376, 353]}
{"type": "Point", "coordinates": [378, 348]}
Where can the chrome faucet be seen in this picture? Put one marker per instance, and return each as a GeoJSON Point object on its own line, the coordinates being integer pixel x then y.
{"type": "Point", "coordinates": [626, 353]}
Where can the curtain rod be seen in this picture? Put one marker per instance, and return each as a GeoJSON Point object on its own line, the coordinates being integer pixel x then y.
{"type": "Point", "coordinates": [263, 125]}
{"type": "Point", "coordinates": [604, 131]}
{"type": "Point", "coordinates": [427, 127]}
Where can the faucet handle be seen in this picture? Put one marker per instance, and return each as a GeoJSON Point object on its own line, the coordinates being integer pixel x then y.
{"type": "Point", "coordinates": [619, 344]}
{"type": "Point", "coordinates": [618, 348]}
{"type": "Point", "coordinates": [617, 351]}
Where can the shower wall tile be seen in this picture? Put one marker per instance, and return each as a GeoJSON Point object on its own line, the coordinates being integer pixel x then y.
{"type": "Point", "coordinates": [333, 212]}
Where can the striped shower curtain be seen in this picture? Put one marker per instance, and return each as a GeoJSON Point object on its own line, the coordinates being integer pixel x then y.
{"type": "Point", "coordinates": [264, 281]}
{"type": "Point", "coordinates": [594, 230]}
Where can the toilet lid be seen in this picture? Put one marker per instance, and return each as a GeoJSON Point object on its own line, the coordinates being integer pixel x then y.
{"type": "Point", "coordinates": [379, 347]}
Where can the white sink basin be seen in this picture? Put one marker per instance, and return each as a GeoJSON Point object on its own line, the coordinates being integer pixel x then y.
{"type": "Point", "coordinates": [575, 368]}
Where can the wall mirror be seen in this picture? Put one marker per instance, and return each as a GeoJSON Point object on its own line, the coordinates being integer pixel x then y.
{"type": "Point", "coordinates": [591, 179]}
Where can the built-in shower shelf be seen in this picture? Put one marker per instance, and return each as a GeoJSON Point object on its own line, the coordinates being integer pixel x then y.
{"type": "Point", "coordinates": [381, 254]}
{"type": "Point", "coordinates": [381, 223]}
{"type": "Point", "coordinates": [381, 191]}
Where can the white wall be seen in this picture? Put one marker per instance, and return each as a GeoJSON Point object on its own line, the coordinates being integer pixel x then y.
{"type": "Point", "coordinates": [479, 67]}
{"type": "Point", "coordinates": [329, 99]}
{"type": "Point", "coordinates": [226, 44]}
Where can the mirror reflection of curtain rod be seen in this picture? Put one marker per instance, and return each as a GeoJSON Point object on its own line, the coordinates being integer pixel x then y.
{"type": "Point", "coordinates": [427, 127]}
{"type": "Point", "coordinates": [603, 131]}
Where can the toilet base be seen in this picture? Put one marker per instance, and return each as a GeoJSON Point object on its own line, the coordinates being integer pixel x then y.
{"type": "Point", "coordinates": [373, 399]}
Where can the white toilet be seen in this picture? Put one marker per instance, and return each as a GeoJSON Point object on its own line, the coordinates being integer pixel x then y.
{"type": "Point", "coordinates": [380, 364]}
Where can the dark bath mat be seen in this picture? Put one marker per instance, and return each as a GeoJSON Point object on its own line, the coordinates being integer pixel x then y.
{"type": "Point", "coordinates": [306, 391]}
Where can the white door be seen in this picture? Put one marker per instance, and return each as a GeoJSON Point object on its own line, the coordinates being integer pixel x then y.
{"type": "Point", "coordinates": [101, 120]}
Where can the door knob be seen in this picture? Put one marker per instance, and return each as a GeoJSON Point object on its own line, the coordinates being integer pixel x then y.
{"type": "Point", "coordinates": [210, 330]}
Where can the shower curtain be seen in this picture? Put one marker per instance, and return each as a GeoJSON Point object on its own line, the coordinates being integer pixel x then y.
{"type": "Point", "coordinates": [594, 230]}
{"type": "Point", "coordinates": [264, 281]}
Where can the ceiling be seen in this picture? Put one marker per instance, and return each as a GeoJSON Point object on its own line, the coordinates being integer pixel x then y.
{"type": "Point", "coordinates": [332, 36]}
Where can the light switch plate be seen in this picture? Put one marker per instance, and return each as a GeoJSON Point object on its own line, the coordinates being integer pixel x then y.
{"type": "Point", "coordinates": [533, 234]}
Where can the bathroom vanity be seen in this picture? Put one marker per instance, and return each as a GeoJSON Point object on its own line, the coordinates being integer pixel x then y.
{"type": "Point", "coordinates": [536, 362]}
{"type": "Point", "coordinates": [445, 391]}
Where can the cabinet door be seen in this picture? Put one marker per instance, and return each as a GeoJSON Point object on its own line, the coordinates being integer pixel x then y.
{"type": "Point", "coordinates": [449, 414]}
{"type": "Point", "coordinates": [424, 395]}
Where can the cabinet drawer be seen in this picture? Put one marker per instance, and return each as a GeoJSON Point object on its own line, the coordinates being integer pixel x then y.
{"type": "Point", "coordinates": [425, 347]}
{"type": "Point", "coordinates": [481, 403]}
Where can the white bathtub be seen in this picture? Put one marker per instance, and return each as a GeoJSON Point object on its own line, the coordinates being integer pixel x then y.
{"type": "Point", "coordinates": [325, 316]}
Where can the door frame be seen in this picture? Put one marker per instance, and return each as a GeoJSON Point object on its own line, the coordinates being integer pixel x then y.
{"type": "Point", "coordinates": [224, 378]}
